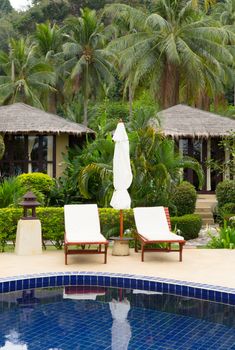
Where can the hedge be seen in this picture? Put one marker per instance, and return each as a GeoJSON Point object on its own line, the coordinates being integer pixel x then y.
{"type": "Point", "coordinates": [52, 220]}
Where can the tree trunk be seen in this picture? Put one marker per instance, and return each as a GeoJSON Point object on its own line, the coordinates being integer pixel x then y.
{"type": "Point", "coordinates": [170, 86]}
{"type": "Point", "coordinates": [52, 102]}
{"type": "Point", "coordinates": [130, 101]}
{"type": "Point", "coordinates": [85, 104]}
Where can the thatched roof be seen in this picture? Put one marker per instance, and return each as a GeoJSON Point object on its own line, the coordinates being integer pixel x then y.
{"type": "Point", "coordinates": [185, 121]}
{"type": "Point", "coordinates": [20, 118]}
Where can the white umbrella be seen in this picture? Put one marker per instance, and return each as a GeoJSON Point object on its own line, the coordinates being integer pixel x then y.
{"type": "Point", "coordinates": [122, 175]}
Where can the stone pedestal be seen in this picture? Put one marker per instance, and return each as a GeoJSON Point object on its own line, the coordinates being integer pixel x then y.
{"type": "Point", "coordinates": [28, 237]}
{"type": "Point", "coordinates": [120, 246]}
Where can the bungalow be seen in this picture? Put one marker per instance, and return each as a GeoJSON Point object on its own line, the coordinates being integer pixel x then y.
{"type": "Point", "coordinates": [36, 140]}
{"type": "Point", "coordinates": [198, 134]}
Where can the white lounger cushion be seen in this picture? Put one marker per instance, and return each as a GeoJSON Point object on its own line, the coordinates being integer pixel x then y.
{"type": "Point", "coordinates": [82, 223]}
{"type": "Point", "coordinates": [151, 223]}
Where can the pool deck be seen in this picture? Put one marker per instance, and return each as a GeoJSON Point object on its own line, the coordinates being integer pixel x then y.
{"type": "Point", "coordinates": [208, 266]}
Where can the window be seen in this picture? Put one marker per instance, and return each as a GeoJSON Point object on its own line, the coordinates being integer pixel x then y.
{"type": "Point", "coordinates": [26, 154]}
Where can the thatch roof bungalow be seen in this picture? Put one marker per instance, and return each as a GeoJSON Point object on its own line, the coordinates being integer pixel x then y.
{"type": "Point", "coordinates": [36, 140]}
{"type": "Point", "coordinates": [198, 134]}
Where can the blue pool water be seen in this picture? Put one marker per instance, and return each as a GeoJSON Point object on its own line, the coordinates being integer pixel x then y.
{"type": "Point", "coordinates": [80, 318]}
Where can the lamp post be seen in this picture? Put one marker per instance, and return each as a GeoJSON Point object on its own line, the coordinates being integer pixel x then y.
{"type": "Point", "coordinates": [29, 203]}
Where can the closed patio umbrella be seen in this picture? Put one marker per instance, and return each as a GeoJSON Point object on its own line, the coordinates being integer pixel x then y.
{"type": "Point", "coordinates": [122, 175]}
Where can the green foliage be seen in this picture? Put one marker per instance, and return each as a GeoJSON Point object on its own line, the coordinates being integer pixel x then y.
{"type": "Point", "coordinates": [2, 147]}
{"type": "Point", "coordinates": [226, 238]}
{"type": "Point", "coordinates": [225, 192]}
{"type": "Point", "coordinates": [52, 221]}
{"type": "Point", "coordinates": [36, 181]}
{"type": "Point", "coordinates": [5, 6]}
{"type": "Point", "coordinates": [184, 198]}
{"type": "Point", "coordinates": [228, 208]}
{"type": "Point", "coordinates": [189, 225]}
{"type": "Point", "coordinates": [11, 192]}
{"type": "Point", "coordinates": [110, 110]}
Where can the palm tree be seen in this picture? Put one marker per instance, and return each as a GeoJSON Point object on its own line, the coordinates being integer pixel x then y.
{"type": "Point", "coordinates": [156, 166]}
{"type": "Point", "coordinates": [49, 39]}
{"type": "Point", "coordinates": [88, 61]}
{"type": "Point", "coordinates": [25, 77]}
{"type": "Point", "coordinates": [176, 49]}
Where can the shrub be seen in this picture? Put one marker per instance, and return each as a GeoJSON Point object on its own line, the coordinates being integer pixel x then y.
{"type": "Point", "coordinates": [228, 208]}
{"type": "Point", "coordinates": [225, 192]}
{"type": "Point", "coordinates": [184, 198]}
{"type": "Point", "coordinates": [11, 192]}
{"type": "Point", "coordinates": [189, 225]}
{"type": "Point", "coordinates": [36, 181]}
{"type": "Point", "coordinates": [226, 238]}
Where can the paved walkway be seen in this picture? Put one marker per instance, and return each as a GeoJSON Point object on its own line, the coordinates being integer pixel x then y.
{"type": "Point", "coordinates": [210, 266]}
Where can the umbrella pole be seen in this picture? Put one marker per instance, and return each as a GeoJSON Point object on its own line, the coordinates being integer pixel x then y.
{"type": "Point", "coordinates": [121, 223]}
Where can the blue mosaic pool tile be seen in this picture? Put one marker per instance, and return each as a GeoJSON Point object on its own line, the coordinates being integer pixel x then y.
{"type": "Point", "coordinates": [66, 280]}
{"type": "Point", "coordinates": [93, 281]}
{"type": "Point", "coordinates": [198, 293]}
{"type": "Point", "coordinates": [5, 288]}
{"type": "Point", "coordinates": [178, 290]}
{"type": "Point", "coordinates": [127, 283]}
{"type": "Point", "coordinates": [172, 288]}
{"type": "Point", "coordinates": [39, 282]}
{"type": "Point", "coordinates": [232, 299]}
{"type": "Point", "coordinates": [19, 285]}
{"type": "Point", "coordinates": [52, 281]}
{"type": "Point", "coordinates": [133, 283]}
{"type": "Point", "coordinates": [185, 291]}
{"type": "Point", "coordinates": [211, 295]}
{"type": "Point", "coordinates": [120, 282]}
{"type": "Point", "coordinates": [159, 287]}
{"type": "Point", "coordinates": [205, 294]}
{"type": "Point", "coordinates": [218, 297]}
{"type": "Point", "coordinates": [26, 284]}
{"type": "Point", "coordinates": [224, 298]}
{"type": "Point", "coordinates": [107, 281]}
{"type": "Point", "coordinates": [80, 280]}
{"type": "Point", "coordinates": [45, 281]}
{"type": "Point", "coordinates": [139, 284]}
{"type": "Point", "coordinates": [146, 285]}
{"type": "Point", "coordinates": [32, 283]}
{"type": "Point", "coordinates": [12, 286]}
{"type": "Point", "coordinates": [73, 280]}
{"type": "Point", "coordinates": [100, 280]}
{"type": "Point", "coordinates": [114, 282]}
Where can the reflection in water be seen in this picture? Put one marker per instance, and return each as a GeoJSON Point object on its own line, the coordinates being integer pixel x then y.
{"type": "Point", "coordinates": [13, 342]}
{"type": "Point", "coordinates": [100, 318]}
{"type": "Point", "coordinates": [121, 330]}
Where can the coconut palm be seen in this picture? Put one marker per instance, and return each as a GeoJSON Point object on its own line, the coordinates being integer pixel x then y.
{"type": "Point", "coordinates": [49, 39]}
{"type": "Point", "coordinates": [177, 50]}
{"type": "Point", "coordinates": [88, 60]}
{"type": "Point", "coordinates": [25, 76]}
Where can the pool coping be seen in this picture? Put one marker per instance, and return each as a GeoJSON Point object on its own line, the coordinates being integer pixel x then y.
{"type": "Point", "coordinates": [195, 290]}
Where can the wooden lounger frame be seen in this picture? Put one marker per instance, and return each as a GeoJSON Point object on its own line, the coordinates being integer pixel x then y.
{"type": "Point", "coordinates": [73, 251]}
{"type": "Point", "coordinates": [144, 242]}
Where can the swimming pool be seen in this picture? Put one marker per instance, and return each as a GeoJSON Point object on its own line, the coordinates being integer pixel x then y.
{"type": "Point", "coordinates": [93, 317]}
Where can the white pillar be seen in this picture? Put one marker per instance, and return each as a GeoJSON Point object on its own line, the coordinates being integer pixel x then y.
{"type": "Point", "coordinates": [208, 169]}
{"type": "Point", "coordinates": [28, 237]}
{"type": "Point", "coordinates": [227, 165]}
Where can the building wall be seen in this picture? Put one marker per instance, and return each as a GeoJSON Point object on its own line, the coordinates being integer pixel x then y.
{"type": "Point", "coordinates": [62, 142]}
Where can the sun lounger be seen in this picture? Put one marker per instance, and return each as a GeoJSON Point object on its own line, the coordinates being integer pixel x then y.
{"type": "Point", "coordinates": [154, 227]}
{"type": "Point", "coordinates": [82, 227]}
